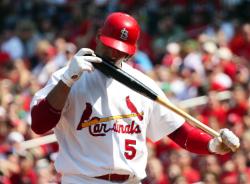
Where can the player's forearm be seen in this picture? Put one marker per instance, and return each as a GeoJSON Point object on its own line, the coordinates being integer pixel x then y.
{"type": "Point", "coordinates": [46, 114]}
{"type": "Point", "coordinates": [191, 139]}
{"type": "Point", "coordinates": [58, 96]}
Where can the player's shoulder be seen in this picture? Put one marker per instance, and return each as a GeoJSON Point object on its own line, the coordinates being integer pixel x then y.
{"type": "Point", "coordinates": [142, 77]}
{"type": "Point", "coordinates": [135, 72]}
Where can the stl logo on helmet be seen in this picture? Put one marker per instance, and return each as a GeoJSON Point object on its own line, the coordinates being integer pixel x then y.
{"type": "Point", "coordinates": [124, 34]}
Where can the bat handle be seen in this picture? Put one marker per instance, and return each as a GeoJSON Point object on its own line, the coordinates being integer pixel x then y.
{"type": "Point", "coordinates": [188, 117]}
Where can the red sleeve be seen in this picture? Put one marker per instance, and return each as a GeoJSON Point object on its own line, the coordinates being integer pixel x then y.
{"type": "Point", "coordinates": [191, 139]}
{"type": "Point", "coordinates": [44, 117]}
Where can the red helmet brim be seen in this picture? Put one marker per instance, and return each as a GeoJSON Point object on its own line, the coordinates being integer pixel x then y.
{"type": "Point", "coordinates": [118, 45]}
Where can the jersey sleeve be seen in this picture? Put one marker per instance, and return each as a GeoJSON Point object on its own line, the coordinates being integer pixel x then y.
{"type": "Point", "coordinates": [162, 121]}
{"type": "Point", "coordinates": [52, 82]}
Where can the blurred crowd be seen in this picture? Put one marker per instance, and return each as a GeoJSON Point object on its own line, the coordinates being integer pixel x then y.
{"type": "Point", "coordinates": [191, 48]}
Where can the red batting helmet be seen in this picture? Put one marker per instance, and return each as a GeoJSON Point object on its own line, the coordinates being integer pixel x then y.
{"type": "Point", "coordinates": [120, 31]}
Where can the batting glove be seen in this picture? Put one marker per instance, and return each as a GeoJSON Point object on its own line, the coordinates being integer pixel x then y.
{"type": "Point", "coordinates": [226, 142]}
{"type": "Point", "coordinates": [81, 61]}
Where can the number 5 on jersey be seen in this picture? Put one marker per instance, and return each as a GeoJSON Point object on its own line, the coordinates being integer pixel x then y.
{"type": "Point", "coordinates": [130, 149]}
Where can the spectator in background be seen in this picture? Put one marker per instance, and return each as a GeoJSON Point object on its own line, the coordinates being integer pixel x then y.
{"type": "Point", "coordinates": [5, 65]}
{"type": "Point", "coordinates": [192, 58]}
{"type": "Point", "coordinates": [27, 33]}
{"type": "Point", "coordinates": [221, 29]}
{"type": "Point", "coordinates": [172, 58]}
{"type": "Point", "coordinates": [209, 178]}
{"type": "Point", "coordinates": [155, 168]}
{"type": "Point", "coordinates": [225, 57]}
{"type": "Point", "coordinates": [23, 73]}
{"type": "Point", "coordinates": [214, 109]}
{"type": "Point", "coordinates": [45, 53]}
{"type": "Point", "coordinates": [235, 173]}
{"type": "Point", "coordinates": [55, 58]}
{"type": "Point", "coordinates": [246, 145]}
{"type": "Point", "coordinates": [238, 103]}
{"type": "Point", "coordinates": [240, 43]}
{"type": "Point", "coordinates": [11, 44]}
{"type": "Point", "coordinates": [184, 161]}
{"type": "Point", "coordinates": [209, 58]}
{"type": "Point", "coordinates": [210, 164]}
{"type": "Point", "coordinates": [47, 30]}
{"type": "Point", "coordinates": [142, 62]}
{"type": "Point", "coordinates": [219, 81]}
{"type": "Point", "coordinates": [168, 31]}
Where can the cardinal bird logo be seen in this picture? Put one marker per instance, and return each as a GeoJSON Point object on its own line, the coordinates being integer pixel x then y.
{"type": "Point", "coordinates": [86, 115]}
{"type": "Point", "coordinates": [133, 109]}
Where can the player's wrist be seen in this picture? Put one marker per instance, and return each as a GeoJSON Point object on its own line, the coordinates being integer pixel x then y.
{"type": "Point", "coordinates": [66, 79]}
{"type": "Point", "coordinates": [212, 146]}
{"type": "Point", "coordinates": [215, 147]}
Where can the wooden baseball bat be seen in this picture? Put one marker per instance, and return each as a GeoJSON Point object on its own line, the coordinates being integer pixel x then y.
{"type": "Point", "coordinates": [113, 71]}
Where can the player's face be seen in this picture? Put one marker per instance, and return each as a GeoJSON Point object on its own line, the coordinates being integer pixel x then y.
{"type": "Point", "coordinates": [111, 54]}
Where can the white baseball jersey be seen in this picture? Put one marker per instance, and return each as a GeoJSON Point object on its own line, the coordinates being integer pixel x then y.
{"type": "Point", "coordinates": [120, 119]}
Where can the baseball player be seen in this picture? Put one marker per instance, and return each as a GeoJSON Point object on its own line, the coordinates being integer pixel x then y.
{"type": "Point", "coordinates": [100, 124]}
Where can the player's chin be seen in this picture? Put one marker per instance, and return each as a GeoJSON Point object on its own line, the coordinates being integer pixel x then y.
{"type": "Point", "coordinates": [109, 59]}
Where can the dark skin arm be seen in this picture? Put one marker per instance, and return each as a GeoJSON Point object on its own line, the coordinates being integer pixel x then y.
{"type": "Point", "coordinates": [58, 95]}
{"type": "Point", "coordinates": [46, 114]}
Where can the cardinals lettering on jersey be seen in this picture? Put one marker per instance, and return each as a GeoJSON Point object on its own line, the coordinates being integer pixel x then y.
{"type": "Point", "coordinates": [100, 126]}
